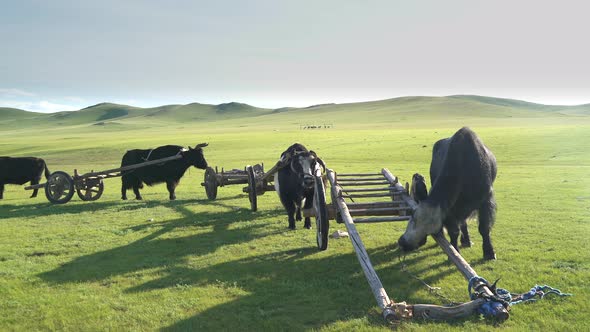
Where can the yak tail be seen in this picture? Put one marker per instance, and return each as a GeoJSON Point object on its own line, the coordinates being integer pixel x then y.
{"type": "Point", "coordinates": [47, 172]}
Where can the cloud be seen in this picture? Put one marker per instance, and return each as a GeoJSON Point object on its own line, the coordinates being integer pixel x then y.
{"type": "Point", "coordinates": [12, 92]}
{"type": "Point", "coordinates": [43, 106]}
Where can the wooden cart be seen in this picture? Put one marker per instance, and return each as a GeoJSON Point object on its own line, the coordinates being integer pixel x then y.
{"type": "Point", "coordinates": [260, 182]}
{"type": "Point", "coordinates": [348, 193]}
{"type": "Point", "coordinates": [60, 186]}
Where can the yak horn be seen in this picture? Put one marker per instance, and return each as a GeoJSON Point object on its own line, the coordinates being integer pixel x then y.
{"type": "Point", "coordinates": [201, 145]}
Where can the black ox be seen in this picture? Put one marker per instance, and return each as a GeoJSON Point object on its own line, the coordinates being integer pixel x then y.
{"type": "Point", "coordinates": [294, 183]}
{"type": "Point", "coordinates": [21, 171]}
{"type": "Point", "coordinates": [462, 173]}
{"type": "Point", "coordinates": [169, 172]}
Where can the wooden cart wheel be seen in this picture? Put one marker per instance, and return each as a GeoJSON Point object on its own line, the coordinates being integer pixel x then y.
{"type": "Point", "coordinates": [59, 188]}
{"type": "Point", "coordinates": [211, 184]}
{"type": "Point", "coordinates": [321, 214]}
{"type": "Point", "coordinates": [252, 188]}
{"type": "Point", "coordinates": [90, 190]}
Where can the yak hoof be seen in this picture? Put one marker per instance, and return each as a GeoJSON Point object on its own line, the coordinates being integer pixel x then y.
{"type": "Point", "coordinates": [466, 244]}
{"type": "Point", "coordinates": [139, 198]}
{"type": "Point", "coordinates": [292, 227]}
{"type": "Point", "coordinates": [308, 226]}
{"type": "Point", "coordinates": [489, 256]}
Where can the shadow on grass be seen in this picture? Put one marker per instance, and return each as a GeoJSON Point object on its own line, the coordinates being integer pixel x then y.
{"type": "Point", "coordinates": [292, 290]}
{"type": "Point", "coordinates": [44, 209]}
{"type": "Point", "coordinates": [156, 251]}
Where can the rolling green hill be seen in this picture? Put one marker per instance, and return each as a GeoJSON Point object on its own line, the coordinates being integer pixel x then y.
{"type": "Point", "coordinates": [389, 110]}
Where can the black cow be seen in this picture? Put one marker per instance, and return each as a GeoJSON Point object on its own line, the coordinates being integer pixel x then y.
{"type": "Point", "coordinates": [463, 171]}
{"type": "Point", "coordinates": [21, 171]}
{"type": "Point", "coordinates": [169, 172]}
{"type": "Point", "coordinates": [294, 183]}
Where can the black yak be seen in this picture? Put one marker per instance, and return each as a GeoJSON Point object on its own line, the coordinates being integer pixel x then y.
{"type": "Point", "coordinates": [462, 172]}
{"type": "Point", "coordinates": [169, 172]}
{"type": "Point", "coordinates": [21, 171]}
{"type": "Point", "coordinates": [294, 183]}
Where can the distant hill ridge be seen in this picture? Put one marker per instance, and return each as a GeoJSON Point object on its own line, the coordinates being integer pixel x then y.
{"type": "Point", "coordinates": [456, 105]}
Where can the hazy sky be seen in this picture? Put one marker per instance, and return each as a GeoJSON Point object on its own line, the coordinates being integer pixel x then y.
{"type": "Point", "coordinates": [64, 55]}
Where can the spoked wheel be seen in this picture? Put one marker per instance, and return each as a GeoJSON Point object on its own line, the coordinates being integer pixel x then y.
{"type": "Point", "coordinates": [210, 182]}
{"type": "Point", "coordinates": [252, 188]}
{"type": "Point", "coordinates": [90, 189]}
{"type": "Point", "coordinates": [321, 214]}
{"type": "Point", "coordinates": [59, 188]}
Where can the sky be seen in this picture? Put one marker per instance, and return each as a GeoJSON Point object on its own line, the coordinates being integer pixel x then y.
{"type": "Point", "coordinates": [65, 55]}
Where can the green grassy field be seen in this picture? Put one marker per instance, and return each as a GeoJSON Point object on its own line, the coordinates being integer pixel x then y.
{"type": "Point", "coordinates": [195, 264]}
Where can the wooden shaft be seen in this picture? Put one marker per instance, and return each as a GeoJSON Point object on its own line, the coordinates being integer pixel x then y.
{"type": "Point", "coordinates": [377, 211]}
{"type": "Point", "coordinates": [232, 176]}
{"type": "Point", "coordinates": [465, 269]}
{"type": "Point", "coordinates": [380, 219]}
{"type": "Point", "coordinates": [271, 172]}
{"type": "Point", "coordinates": [379, 293]}
{"type": "Point", "coordinates": [357, 174]}
{"type": "Point", "coordinates": [134, 166]}
{"type": "Point", "coordinates": [359, 184]}
{"type": "Point", "coordinates": [35, 186]}
{"type": "Point", "coordinates": [393, 180]}
{"type": "Point", "coordinates": [367, 195]}
{"type": "Point", "coordinates": [359, 190]}
{"type": "Point", "coordinates": [435, 312]}
{"type": "Point", "coordinates": [345, 180]}
{"type": "Point", "coordinates": [361, 178]}
{"type": "Point", "coordinates": [232, 181]}
{"type": "Point", "coordinates": [369, 205]}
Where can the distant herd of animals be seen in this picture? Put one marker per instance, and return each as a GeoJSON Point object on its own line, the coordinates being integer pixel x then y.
{"type": "Point", "coordinates": [462, 173]}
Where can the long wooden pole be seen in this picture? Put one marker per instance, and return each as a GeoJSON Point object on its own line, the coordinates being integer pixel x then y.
{"type": "Point", "coordinates": [134, 166]}
{"type": "Point", "coordinates": [379, 293]}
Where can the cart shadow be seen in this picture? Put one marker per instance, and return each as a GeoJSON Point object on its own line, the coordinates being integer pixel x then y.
{"type": "Point", "coordinates": [292, 288]}
{"type": "Point", "coordinates": [158, 251]}
{"type": "Point", "coordinates": [45, 209]}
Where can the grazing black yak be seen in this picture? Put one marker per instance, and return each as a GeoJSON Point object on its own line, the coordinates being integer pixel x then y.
{"type": "Point", "coordinates": [294, 183]}
{"type": "Point", "coordinates": [463, 171]}
{"type": "Point", "coordinates": [21, 171]}
{"type": "Point", "coordinates": [169, 172]}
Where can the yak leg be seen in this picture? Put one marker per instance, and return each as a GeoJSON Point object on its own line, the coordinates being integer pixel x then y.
{"type": "Point", "coordinates": [171, 185]}
{"type": "Point", "coordinates": [308, 205]}
{"type": "Point", "coordinates": [465, 240]}
{"type": "Point", "coordinates": [487, 216]}
{"type": "Point", "coordinates": [1, 190]}
{"type": "Point", "coordinates": [298, 211]}
{"type": "Point", "coordinates": [136, 192]}
{"type": "Point", "coordinates": [34, 182]}
{"type": "Point", "coordinates": [123, 192]}
{"type": "Point", "coordinates": [453, 230]}
{"type": "Point", "coordinates": [291, 208]}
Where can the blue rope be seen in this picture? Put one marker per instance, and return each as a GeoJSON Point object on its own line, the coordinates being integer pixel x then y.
{"type": "Point", "coordinates": [511, 298]}
{"type": "Point", "coordinates": [540, 291]}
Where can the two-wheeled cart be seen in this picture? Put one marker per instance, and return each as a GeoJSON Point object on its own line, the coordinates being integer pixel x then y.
{"type": "Point", "coordinates": [60, 186]}
{"type": "Point", "coordinates": [258, 182]}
